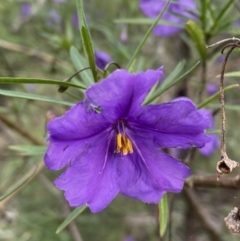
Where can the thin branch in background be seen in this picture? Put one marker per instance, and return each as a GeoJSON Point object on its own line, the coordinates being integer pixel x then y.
{"type": "Point", "coordinates": [222, 41]}
{"type": "Point", "coordinates": [200, 210]}
{"type": "Point", "coordinates": [23, 132]}
{"type": "Point", "coordinates": [35, 170]}
{"type": "Point", "coordinates": [203, 80]}
{"type": "Point", "coordinates": [66, 210]}
{"type": "Point", "coordinates": [33, 52]}
{"type": "Point", "coordinates": [210, 181]}
{"type": "Point", "coordinates": [7, 65]}
{"type": "Point", "coordinates": [72, 227]}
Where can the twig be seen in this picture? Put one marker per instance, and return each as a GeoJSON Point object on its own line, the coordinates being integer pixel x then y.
{"type": "Point", "coordinates": [222, 41]}
{"type": "Point", "coordinates": [32, 52]}
{"type": "Point", "coordinates": [203, 214]}
{"type": "Point", "coordinates": [20, 130]}
{"type": "Point", "coordinates": [6, 201]}
{"type": "Point", "coordinates": [209, 181]}
{"type": "Point", "coordinates": [36, 171]}
{"type": "Point", "coordinates": [66, 210]}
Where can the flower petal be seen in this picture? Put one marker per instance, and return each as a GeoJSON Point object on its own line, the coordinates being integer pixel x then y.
{"type": "Point", "coordinates": [136, 181]}
{"type": "Point", "coordinates": [148, 173]}
{"type": "Point", "coordinates": [177, 12]}
{"type": "Point", "coordinates": [211, 146]}
{"type": "Point", "coordinates": [91, 179]}
{"type": "Point", "coordinates": [151, 8]}
{"type": "Point", "coordinates": [173, 124]}
{"type": "Point", "coordinates": [61, 153]}
{"type": "Point", "coordinates": [79, 122]}
{"type": "Point", "coordinates": [102, 59]}
{"type": "Point", "coordinates": [121, 92]}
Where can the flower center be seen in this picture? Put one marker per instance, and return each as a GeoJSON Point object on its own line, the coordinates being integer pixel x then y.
{"type": "Point", "coordinates": [124, 145]}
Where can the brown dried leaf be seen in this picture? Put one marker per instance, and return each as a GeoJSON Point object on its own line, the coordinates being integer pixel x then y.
{"type": "Point", "coordinates": [233, 221]}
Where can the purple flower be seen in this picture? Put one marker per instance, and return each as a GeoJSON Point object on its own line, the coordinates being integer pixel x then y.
{"type": "Point", "coordinates": [55, 17]}
{"type": "Point", "coordinates": [124, 33]}
{"type": "Point", "coordinates": [178, 12]}
{"type": "Point", "coordinates": [214, 142]}
{"type": "Point", "coordinates": [110, 143]}
{"type": "Point", "coordinates": [129, 239]}
{"type": "Point", "coordinates": [26, 11]}
{"type": "Point", "coordinates": [211, 146]}
{"type": "Point", "coordinates": [212, 89]}
{"type": "Point", "coordinates": [102, 59]}
{"type": "Point", "coordinates": [75, 20]}
{"type": "Point", "coordinates": [59, 1]}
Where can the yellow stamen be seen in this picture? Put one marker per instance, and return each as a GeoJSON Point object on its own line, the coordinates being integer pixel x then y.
{"type": "Point", "coordinates": [129, 146]}
{"type": "Point", "coordinates": [124, 145]}
{"type": "Point", "coordinates": [119, 140]}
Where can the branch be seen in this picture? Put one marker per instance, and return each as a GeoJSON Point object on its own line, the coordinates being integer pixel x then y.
{"type": "Point", "coordinates": [40, 167]}
{"type": "Point", "coordinates": [32, 52]}
{"type": "Point", "coordinates": [211, 181]}
{"type": "Point", "coordinates": [25, 133]}
{"type": "Point", "coordinates": [6, 201]}
{"type": "Point", "coordinates": [203, 214]}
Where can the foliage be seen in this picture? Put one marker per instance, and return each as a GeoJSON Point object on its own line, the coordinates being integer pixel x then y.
{"type": "Point", "coordinates": [40, 52]}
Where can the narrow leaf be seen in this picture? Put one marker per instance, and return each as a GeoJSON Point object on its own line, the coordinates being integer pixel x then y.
{"type": "Point", "coordinates": [225, 8]}
{"type": "Point", "coordinates": [86, 38]}
{"type": "Point", "coordinates": [70, 218]}
{"type": "Point", "coordinates": [144, 21]}
{"type": "Point", "coordinates": [198, 38]}
{"type": "Point", "coordinates": [227, 107]}
{"type": "Point", "coordinates": [18, 185]}
{"type": "Point", "coordinates": [230, 74]}
{"type": "Point", "coordinates": [33, 97]}
{"type": "Point", "coordinates": [28, 150]}
{"type": "Point", "coordinates": [80, 63]}
{"type": "Point", "coordinates": [11, 80]}
{"type": "Point", "coordinates": [163, 215]}
{"type": "Point", "coordinates": [172, 80]}
{"type": "Point", "coordinates": [139, 47]}
{"type": "Point", "coordinates": [89, 50]}
{"type": "Point", "coordinates": [215, 96]}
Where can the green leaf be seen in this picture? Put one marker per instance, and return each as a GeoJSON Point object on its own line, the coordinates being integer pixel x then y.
{"type": "Point", "coordinates": [215, 96]}
{"type": "Point", "coordinates": [80, 63]}
{"type": "Point", "coordinates": [203, 15]}
{"type": "Point", "coordinates": [227, 107]}
{"type": "Point", "coordinates": [139, 47]}
{"type": "Point", "coordinates": [213, 131]}
{"type": "Point", "coordinates": [29, 150]}
{"type": "Point", "coordinates": [11, 80]}
{"type": "Point", "coordinates": [197, 35]}
{"type": "Point", "coordinates": [86, 38]}
{"type": "Point", "coordinates": [89, 50]}
{"type": "Point", "coordinates": [171, 80]}
{"type": "Point", "coordinates": [70, 218]}
{"type": "Point", "coordinates": [121, 48]}
{"type": "Point", "coordinates": [18, 185]}
{"type": "Point", "coordinates": [144, 21]}
{"type": "Point", "coordinates": [221, 14]}
{"type": "Point", "coordinates": [163, 215]}
{"type": "Point", "coordinates": [33, 97]}
{"type": "Point", "coordinates": [230, 74]}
